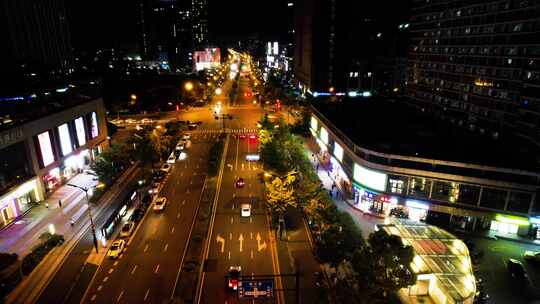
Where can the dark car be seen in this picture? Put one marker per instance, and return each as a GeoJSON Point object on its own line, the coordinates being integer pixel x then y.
{"type": "Point", "coordinates": [240, 183]}
{"type": "Point", "coordinates": [233, 276]}
{"type": "Point", "coordinates": [516, 270]}
{"type": "Point", "coordinates": [137, 215]}
{"type": "Point", "coordinates": [159, 175]}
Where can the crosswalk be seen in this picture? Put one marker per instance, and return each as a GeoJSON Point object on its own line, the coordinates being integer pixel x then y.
{"type": "Point", "coordinates": [219, 131]}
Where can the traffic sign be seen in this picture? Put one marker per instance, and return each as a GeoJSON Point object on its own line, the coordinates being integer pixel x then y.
{"type": "Point", "coordinates": [252, 289]}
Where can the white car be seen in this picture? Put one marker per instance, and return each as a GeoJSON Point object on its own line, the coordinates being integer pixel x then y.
{"type": "Point", "coordinates": [146, 120]}
{"type": "Point", "coordinates": [532, 255]}
{"type": "Point", "coordinates": [116, 249]}
{"type": "Point", "coordinates": [160, 203]}
{"type": "Point", "coordinates": [166, 168]}
{"type": "Point", "coordinates": [180, 147]}
{"type": "Point", "coordinates": [171, 159]}
{"type": "Point", "coordinates": [127, 229]}
{"type": "Point", "coordinates": [245, 210]}
{"type": "Point", "coordinates": [154, 189]}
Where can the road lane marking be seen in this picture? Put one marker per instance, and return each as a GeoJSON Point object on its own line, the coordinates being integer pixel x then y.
{"type": "Point", "coordinates": [233, 206]}
{"type": "Point", "coordinates": [93, 298]}
{"type": "Point", "coordinates": [178, 215]}
{"type": "Point", "coordinates": [250, 219]}
{"type": "Point", "coordinates": [191, 182]}
{"type": "Point", "coordinates": [157, 269]}
{"type": "Point", "coordinates": [260, 246]}
{"type": "Point", "coordinates": [145, 248]}
{"type": "Point", "coordinates": [166, 247]}
{"type": "Point", "coordinates": [251, 255]}
{"type": "Point", "coordinates": [221, 240]}
{"type": "Point", "coordinates": [236, 158]}
{"type": "Point", "coordinates": [99, 287]}
{"type": "Point", "coordinates": [133, 270]}
{"type": "Point", "coordinates": [183, 202]}
{"type": "Point", "coordinates": [181, 173]}
{"type": "Point", "coordinates": [241, 240]}
{"type": "Point", "coordinates": [230, 236]}
{"type": "Point", "coordinates": [172, 229]}
{"type": "Point", "coordinates": [232, 219]}
{"type": "Point", "coordinates": [111, 270]}
{"type": "Point", "coordinates": [120, 296]}
{"type": "Point", "coordinates": [146, 294]}
{"type": "Point", "coordinates": [105, 279]}
{"type": "Point", "coordinates": [251, 235]}
{"type": "Point", "coordinates": [229, 255]}
{"type": "Point", "coordinates": [115, 263]}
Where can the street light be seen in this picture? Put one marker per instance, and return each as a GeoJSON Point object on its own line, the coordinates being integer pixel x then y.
{"type": "Point", "coordinates": [218, 91]}
{"type": "Point", "coordinates": [89, 213]}
{"type": "Point", "coordinates": [188, 86]}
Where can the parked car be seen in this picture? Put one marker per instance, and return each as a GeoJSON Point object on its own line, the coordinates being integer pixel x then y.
{"type": "Point", "coordinates": [533, 256]}
{"type": "Point", "coordinates": [516, 269]}
{"type": "Point", "coordinates": [137, 215]}
{"type": "Point", "coordinates": [154, 189]}
{"type": "Point", "coordinates": [116, 249]}
{"type": "Point", "coordinates": [160, 203]}
{"type": "Point", "coordinates": [171, 159]}
{"type": "Point", "coordinates": [192, 126]}
{"type": "Point", "coordinates": [166, 168]}
{"type": "Point", "coordinates": [127, 229]}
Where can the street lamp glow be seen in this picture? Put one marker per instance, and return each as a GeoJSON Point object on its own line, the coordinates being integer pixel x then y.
{"type": "Point", "coordinates": [188, 86]}
{"type": "Point", "coordinates": [218, 91]}
{"type": "Point", "coordinates": [133, 96]}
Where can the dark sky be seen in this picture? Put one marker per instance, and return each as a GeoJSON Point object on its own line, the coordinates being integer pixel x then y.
{"type": "Point", "coordinates": [106, 23]}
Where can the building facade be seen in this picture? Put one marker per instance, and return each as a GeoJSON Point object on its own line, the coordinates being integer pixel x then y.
{"type": "Point", "coordinates": [446, 193]}
{"type": "Point", "coordinates": [39, 155]}
{"type": "Point", "coordinates": [477, 62]}
{"type": "Point", "coordinates": [37, 36]}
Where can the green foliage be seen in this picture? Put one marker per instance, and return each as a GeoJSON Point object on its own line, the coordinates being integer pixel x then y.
{"type": "Point", "coordinates": [48, 242]}
{"type": "Point", "coordinates": [301, 126]}
{"type": "Point", "coordinates": [214, 160]}
{"type": "Point", "coordinates": [112, 162]}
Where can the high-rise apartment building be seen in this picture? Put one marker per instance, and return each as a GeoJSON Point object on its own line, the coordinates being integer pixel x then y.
{"type": "Point", "coordinates": [37, 36]}
{"type": "Point", "coordinates": [477, 63]}
{"type": "Point", "coordinates": [170, 30]}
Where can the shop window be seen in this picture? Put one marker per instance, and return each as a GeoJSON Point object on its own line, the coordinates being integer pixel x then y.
{"type": "Point", "coordinates": [493, 198]}
{"type": "Point", "coordinates": [443, 191]}
{"type": "Point", "coordinates": [397, 184]}
{"type": "Point", "coordinates": [419, 187]}
{"type": "Point", "coordinates": [519, 202]}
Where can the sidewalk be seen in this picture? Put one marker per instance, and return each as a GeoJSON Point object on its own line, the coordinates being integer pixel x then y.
{"type": "Point", "coordinates": [23, 235]}
{"type": "Point", "coordinates": [364, 221]}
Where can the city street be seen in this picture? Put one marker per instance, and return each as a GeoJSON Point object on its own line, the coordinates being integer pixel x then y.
{"type": "Point", "coordinates": [147, 270]}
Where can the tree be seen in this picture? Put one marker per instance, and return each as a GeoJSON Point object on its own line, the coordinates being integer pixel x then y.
{"type": "Point", "coordinates": [280, 196]}
{"type": "Point", "coordinates": [384, 265]}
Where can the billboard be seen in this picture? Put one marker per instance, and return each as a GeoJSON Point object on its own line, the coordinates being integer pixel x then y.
{"type": "Point", "coordinates": [207, 59]}
{"type": "Point", "coordinates": [65, 139]}
{"type": "Point", "coordinates": [79, 127]}
{"type": "Point", "coordinates": [47, 156]}
{"type": "Point", "coordinates": [369, 178]}
{"type": "Point", "coordinates": [94, 131]}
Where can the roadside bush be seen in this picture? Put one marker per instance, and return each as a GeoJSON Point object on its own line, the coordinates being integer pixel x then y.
{"type": "Point", "coordinates": [48, 242]}
{"type": "Point", "coordinates": [7, 259]}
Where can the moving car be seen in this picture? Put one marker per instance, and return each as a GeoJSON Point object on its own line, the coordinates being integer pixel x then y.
{"type": "Point", "coordinates": [137, 215]}
{"type": "Point", "coordinates": [516, 270]}
{"type": "Point", "coordinates": [242, 136]}
{"type": "Point", "coordinates": [533, 256]}
{"type": "Point", "coordinates": [171, 159]}
{"type": "Point", "coordinates": [154, 189]}
{"type": "Point", "coordinates": [186, 137]}
{"type": "Point", "coordinates": [116, 249]}
{"type": "Point", "coordinates": [245, 210]}
{"type": "Point", "coordinates": [240, 183]}
{"type": "Point", "coordinates": [233, 276]}
{"type": "Point", "coordinates": [166, 168]}
{"type": "Point", "coordinates": [127, 229]}
{"type": "Point", "coordinates": [180, 146]}
{"type": "Point", "coordinates": [192, 126]}
{"type": "Point", "coordinates": [160, 203]}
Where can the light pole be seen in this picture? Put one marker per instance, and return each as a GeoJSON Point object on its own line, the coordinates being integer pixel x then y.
{"type": "Point", "coordinates": [89, 214]}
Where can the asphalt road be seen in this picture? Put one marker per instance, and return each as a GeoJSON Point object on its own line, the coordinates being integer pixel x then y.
{"type": "Point", "coordinates": [146, 271]}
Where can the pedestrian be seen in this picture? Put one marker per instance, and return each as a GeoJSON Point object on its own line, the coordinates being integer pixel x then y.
{"type": "Point", "coordinates": [333, 185]}
{"type": "Point", "coordinates": [47, 205]}
{"type": "Point", "coordinates": [330, 192]}
{"type": "Point", "coordinates": [60, 203]}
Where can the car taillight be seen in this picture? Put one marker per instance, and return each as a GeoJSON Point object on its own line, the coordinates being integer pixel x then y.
{"type": "Point", "coordinates": [230, 284]}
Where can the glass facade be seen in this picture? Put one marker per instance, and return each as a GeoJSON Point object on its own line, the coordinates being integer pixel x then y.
{"type": "Point", "coordinates": [14, 165]}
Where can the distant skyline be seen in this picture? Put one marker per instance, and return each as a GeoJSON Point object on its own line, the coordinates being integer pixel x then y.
{"type": "Point", "coordinates": [105, 24]}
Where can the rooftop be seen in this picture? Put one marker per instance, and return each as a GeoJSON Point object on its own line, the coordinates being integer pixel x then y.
{"type": "Point", "coordinates": [393, 127]}
{"type": "Point", "coordinates": [438, 255]}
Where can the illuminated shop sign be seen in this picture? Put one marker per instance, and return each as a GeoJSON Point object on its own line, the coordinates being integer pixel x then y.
{"type": "Point", "coordinates": [65, 139]}
{"type": "Point", "coordinates": [508, 219]}
{"type": "Point", "coordinates": [94, 131]}
{"type": "Point", "coordinates": [416, 204]}
{"type": "Point", "coordinates": [324, 136]}
{"type": "Point", "coordinates": [338, 151]}
{"type": "Point", "coordinates": [369, 178]}
{"type": "Point", "coordinates": [314, 123]}
{"type": "Point", "coordinates": [79, 127]}
{"type": "Point", "coordinates": [46, 148]}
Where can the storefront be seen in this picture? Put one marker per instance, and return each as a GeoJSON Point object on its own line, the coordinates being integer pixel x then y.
{"type": "Point", "coordinates": [18, 201]}
{"type": "Point", "coordinates": [508, 224]}
{"type": "Point", "coordinates": [535, 227]}
{"type": "Point", "coordinates": [417, 210]}
{"type": "Point", "coordinates": [338, 175]}
{"type": "Point", "coordinates": [52, 180]}
{"type": "Point", "coordinates": [74, 164]}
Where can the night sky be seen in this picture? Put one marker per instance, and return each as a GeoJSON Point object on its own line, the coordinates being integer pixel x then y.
{"type": "Point", "coordinates": [105, 23]}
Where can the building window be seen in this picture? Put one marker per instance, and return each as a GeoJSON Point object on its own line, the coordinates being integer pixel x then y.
{"type": "Point", "coordinates": [519, 202]}
{"type": "Point", "coordinates": [467, 194]}
{"type": "Point", "coordinates": [443, 191]}
{"type": "Point", "coordinates": [397, 184]}
{"type": "Point", "coordinates": [419, 187]}
{"type": "Point", "coordinates": [493, 198]}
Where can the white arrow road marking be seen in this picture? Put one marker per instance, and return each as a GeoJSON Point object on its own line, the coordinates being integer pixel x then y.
{"type": "Point", "coordinates": [145, 248]}
{"type": "Point", "coordinates": [166, 247]}
{"type": "Point", "coordinates": [260, 246]}
{"type": "Point", "coordinates": [241, 239]}
{"type": "Point", "coordinates": [133, 270]}
{"type": "Point", "coordinates": [221, 240]}
{"type": "Point", "coordinates": [157, 269]}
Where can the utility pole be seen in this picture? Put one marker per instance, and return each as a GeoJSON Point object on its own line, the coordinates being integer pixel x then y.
{"type": "Point", "coordinates": [89, 214]}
